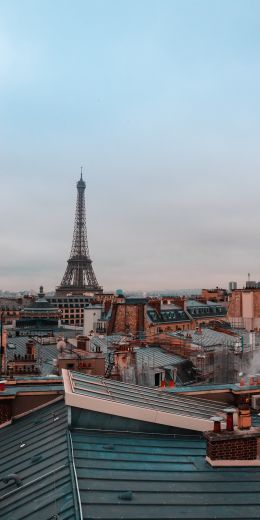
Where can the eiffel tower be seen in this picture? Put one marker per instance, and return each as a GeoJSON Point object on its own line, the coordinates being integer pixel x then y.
{"type": "Point", "coordinates": [79, 276]}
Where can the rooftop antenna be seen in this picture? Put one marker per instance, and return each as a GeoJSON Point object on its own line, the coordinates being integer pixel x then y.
{"type": "Point", "coordinates": [248, 277]}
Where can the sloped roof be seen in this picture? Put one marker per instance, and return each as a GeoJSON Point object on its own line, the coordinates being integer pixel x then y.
{"type": "Point", "coordinates": [206, 337]}
{"type": "Point", "coordinates": [137, 476]}
{"type": "Point", "coordinates": [156, 357]}
{"type": "Point", "coordinates": [135, 402]}
{"type": "Point", "coordinates": [36, 449]}
{"type": "Point", "coordinates": [209, 309]}
{"type": "Point", "coordinates": [45, 353]}
{"type": "Point", "coordinates": [167, 316]}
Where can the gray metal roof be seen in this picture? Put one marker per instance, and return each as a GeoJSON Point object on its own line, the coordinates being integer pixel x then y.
{"type": "Point", "coordinates": [45, 353]}
{"type": "Point", "coordinates": [206, 337]}
{"type": "Point", "coordinates": [33, 388]}
{"type": "Point", "coordinates": [156, 357]}
{"type": "Point", "coordinates": [100, 342]}
{"type": "Point", "coordinates": [167, 316]}
{"type": "Point", "coordinates": [204, 310]}
{"type": "Point", "coordinates": [36, 449]}
{"type": "Point", "coordinates": [195, 303]}
{"type": "Point", "coordinates": [143, 397]}
{"type": "Point", "coordinates": [138, 476]}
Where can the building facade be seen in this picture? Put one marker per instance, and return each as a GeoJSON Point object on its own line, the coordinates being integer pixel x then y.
{"type": "Point", "coordinates": [244, 309]}
{"type": "Point", "coordinates": [71, 308]}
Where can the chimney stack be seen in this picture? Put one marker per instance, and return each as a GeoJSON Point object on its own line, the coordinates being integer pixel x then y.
{"type": "Point", "coordinates": [156, 304]}
{"type": "Point", "coordinates": [233, 446]}
{"type": "Point", "coordinates": [30, 348]}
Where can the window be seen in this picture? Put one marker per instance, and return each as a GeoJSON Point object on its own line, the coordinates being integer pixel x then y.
{"type": "Point", "coordinates": [157, 379]}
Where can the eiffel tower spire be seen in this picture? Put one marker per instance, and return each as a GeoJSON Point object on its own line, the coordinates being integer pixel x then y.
{"type": "Point", "coordinates": [79, 276]}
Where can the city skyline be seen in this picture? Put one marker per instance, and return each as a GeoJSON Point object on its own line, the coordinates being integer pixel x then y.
{"type": "Point", "coordinates": [159, 102]}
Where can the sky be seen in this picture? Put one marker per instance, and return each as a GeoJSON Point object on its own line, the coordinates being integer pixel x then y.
{"type": "Point", "coordinates": [159, 102]}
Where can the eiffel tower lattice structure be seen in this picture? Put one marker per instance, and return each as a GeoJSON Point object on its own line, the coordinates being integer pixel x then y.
{"type": "Point", "coordinates": [79, 276]}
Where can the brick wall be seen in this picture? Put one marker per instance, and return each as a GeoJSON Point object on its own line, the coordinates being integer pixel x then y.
{"type": "Point", "coordinates": [235, 305]}
{"type": "Point", "coordinates": [236, 449]}
{"type": "Point", "coordinates": [256, 304]}
{"type": "Point", "coordinates": [126, 319]}
{"type": "Point", "coordinates": [5, 411]}
{"type": "Point", "coordinates": [236, 445]}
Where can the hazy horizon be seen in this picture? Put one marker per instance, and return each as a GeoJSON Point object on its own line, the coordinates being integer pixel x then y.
{"type": "Point", "coordinates": [159, 101]}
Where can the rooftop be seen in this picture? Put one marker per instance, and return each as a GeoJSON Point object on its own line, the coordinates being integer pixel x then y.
{"type": "Point", "coordinates": [140, 403]}
{"type": "Point", "coordinates": [156, 357]}
{"type": "Point", "coordinates": [45, 354]}
{"type": "Point", "coordinates": [138, 476]}
{"type": "Point", "coordinates": [67, 471]}
{"type": "Point", "coordinates": [209, 309]}
{"type": "Point", "coordinates": [167, 316]}
{"type": "Point", "coordinates": [207, 337]}
{"type": "Point", "coordinates": [35, 448]}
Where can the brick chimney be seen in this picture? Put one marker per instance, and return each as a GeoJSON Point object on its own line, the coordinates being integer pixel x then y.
{"type": "Point", "coordinates": [83, 343]}
{"type": "Point", "coordinates": [107, 305]}
{"type": "Point", "coordinates": [232, 446]}
{"type": "Point", "coordinates": [155, 304]}
{"type": "Point", "coordinates": [30, 348]}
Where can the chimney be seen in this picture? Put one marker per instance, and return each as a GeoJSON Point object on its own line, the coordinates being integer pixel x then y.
{"type": "Point", "coordinates": [83, 343]}
{"type": "Point", "coordinates": [107, 305]}
{"type": "Point", "coordinates": [233, 446]}
{"type": "Point", "coordinates": [2, 385]}
{"type": "Point", "coordinates": [156, 304]}
{"type": "Point", "coordinates": [30, 348]}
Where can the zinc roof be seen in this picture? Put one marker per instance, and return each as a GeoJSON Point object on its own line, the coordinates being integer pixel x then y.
{"type": "Point", "coordinates": [206, 337]}
{"type": "Point", "coordinates": [102, 343]}
{"type": "Point", "coordinates": [126, 400]}
{"type": "Point", "coordinates": [35, 448]}
{"type": "Point", "coordinates": [32, 389]}
{"type": "Point", "coordinates": [138, 476]}
{"type": "Point", "coordinates": [167, 316]}
{"type": "Point", "coordinates": [156, 357]}
{"type": "Point", "coordinates": [45, 353]}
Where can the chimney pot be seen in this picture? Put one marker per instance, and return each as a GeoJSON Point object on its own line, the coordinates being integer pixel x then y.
{"type": "Point", "coordinates": [2, 386]}
{"type": "Point", "coordinates": [217, 423]}
{"type": "Point", "coordinates": [230, 422]}
{"type": "Point", "coordinates": [251, 380]}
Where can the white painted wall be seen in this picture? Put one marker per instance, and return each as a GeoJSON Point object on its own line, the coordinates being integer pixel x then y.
{"type": "Point", "coordinates": [91, 315]}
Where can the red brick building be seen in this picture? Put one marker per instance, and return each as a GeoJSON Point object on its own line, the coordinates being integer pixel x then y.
{"type": "Point", "coordinates": [244, 309]}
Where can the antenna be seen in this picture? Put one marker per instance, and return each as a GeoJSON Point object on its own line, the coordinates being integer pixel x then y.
{"type": "Point", "coordinates": [248, 277]}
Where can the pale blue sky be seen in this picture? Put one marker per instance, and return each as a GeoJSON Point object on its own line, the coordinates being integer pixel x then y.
{"type": "Point", "coordinates": [159, 100]}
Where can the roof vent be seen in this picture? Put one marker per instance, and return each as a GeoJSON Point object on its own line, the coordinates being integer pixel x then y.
{"type": "Point", "coordinates": [126, 495]}
{"type": "Point", "coordinates": [14, 477]}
